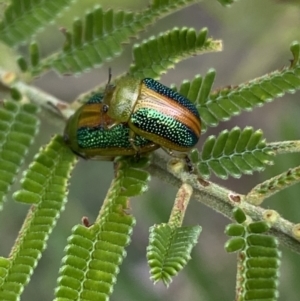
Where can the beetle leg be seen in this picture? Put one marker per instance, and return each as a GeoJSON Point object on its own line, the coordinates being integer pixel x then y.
{"type": "Point", "coordinates": [169, 152]}
{"type": "Point", "coordinates": [108, 127]}
{"type": "Point", "coordinates": [57, 109]}
{"type": "Point", "coordinates": [183, 156]}
{"type": "Point", "coordinates": [189, 164]}
{"type": "Point", "coordinates": [137, 156]}
{"type": "Point", "coordinates": [131, 140]}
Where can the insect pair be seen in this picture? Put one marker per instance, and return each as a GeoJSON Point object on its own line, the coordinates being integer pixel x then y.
{"type": "Point", "coordinates": [133, 117]}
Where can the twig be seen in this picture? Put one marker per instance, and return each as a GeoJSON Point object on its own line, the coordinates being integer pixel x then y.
{"type": "Point", "coordinates": [224, 200]}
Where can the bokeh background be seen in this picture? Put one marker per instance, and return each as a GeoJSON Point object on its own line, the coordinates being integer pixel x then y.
{"type": "Point", "coordinates": [256, 36]}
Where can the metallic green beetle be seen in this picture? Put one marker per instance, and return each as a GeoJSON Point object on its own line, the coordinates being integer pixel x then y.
{"type": "Point", "coordinates": [87, 136]}
{"type": "Point", "coordinates": [153, 111]}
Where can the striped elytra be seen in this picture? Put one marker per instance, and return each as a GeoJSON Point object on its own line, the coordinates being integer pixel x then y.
{"type": "Point", "coordinates": [154, 112]}
{"type": "Point", "coordinates": [87, 136]}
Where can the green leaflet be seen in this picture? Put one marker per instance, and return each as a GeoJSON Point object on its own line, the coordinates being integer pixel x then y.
{"type": "Point", "coordinates": [158, 54]}
{"type": "Point", "coordinates": [51, 170]}
{"type": "Point", "coordinates": [269, 187]}
{"type": "Point", "coordinates": [226, 2]}
{"type": "Point", "coordinates": [4, 266]}
{"type": "Point", "coordinates": [34, 54]}
{"type": "Point", "coordinates": [233, 153]}
{"type": "Point", "coordinates": [92, 42]}
{"type": "Point", "coordinates": [100, 36]}
{"type": "Point", "coordinates": [169, 250]}
{"type": "Point", "coordinates": [23, 18]}
{"type": "Point", "coordinates": [224, 103]}
{"type": "Point", "coordinates": [18, 127]}
{"type": "Point", "coordinates": [93, 254]}
{"type": "Point", "coordinates": [51, 167]}
{"type": "Point", "coordinates": [258, 259]}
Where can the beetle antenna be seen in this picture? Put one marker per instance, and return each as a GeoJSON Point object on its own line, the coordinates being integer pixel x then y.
{"type": "Point", "coordinates": [109, 75]}
{"type": "Point", "coordinates": [108, 85]}
{"type": "Point", "coordinates": [105, 106]}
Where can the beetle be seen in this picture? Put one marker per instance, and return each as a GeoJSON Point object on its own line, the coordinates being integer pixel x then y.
{"type": "Point", "coordinates": [88, 138]}
{"type": "Point", "coordinates": [154, 112]}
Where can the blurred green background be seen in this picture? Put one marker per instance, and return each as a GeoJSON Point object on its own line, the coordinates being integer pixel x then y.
{"type": "Point", "coordinates": [256, 36]}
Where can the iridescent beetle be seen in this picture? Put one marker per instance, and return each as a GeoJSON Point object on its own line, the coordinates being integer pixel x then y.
{"type": "Point", "coordinates": [153, 111]}
{"type": "Point", "coordinates": [88, 138]}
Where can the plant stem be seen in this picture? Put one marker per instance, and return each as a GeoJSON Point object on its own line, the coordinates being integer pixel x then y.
{"type": "Point", "coordinates": [35, 95]}
{"type": "Point", "coordinates": [224, 200]}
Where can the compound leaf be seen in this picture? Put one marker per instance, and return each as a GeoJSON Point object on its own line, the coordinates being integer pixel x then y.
{"type": "Point", "coordinates": [18, 127]}
{"type": "Point", "coordinates": [258, 260]}
{"type": "Point", "coordinates": [100, 36]}
{"type": "Point", "coordinates": [158, 54]}
{"type": "Point", "coordinates": [49, 175]}
{"type": "Point", "coordinates": [93, 255]}
{"type": "Point", "coordinates": [233, 153]}
{"type": "Point", "coordinates": [169, 250]}
{"type": "Point", "coordinates": [23, 18]}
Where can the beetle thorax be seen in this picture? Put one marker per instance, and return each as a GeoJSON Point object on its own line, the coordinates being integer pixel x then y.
{"type": "Point", "coordinates": [123, 99]}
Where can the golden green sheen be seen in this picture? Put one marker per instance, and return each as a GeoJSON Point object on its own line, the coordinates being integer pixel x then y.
{"type": "Point", "coordinates": [123, 98]}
